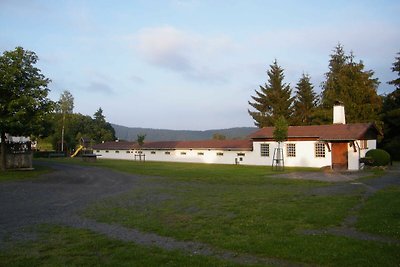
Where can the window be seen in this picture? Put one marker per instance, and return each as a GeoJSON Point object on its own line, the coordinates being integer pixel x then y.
{"type": "Point", "coordinates": [264, 148]}
{"type": "Point", "coordinates": [220, 154]}
{"type": "Point", "coordinates": [97, 150]}
{"type": "Point", "coordinates": [116, 151]}
{"type": "Point", "coordinates": [291, 150]}
{"type": "Point", "coordinates": [153, 152]}
{"type": "Point", "coordinates": [128, 152]}
{"type": "Point", "coordinates": [106, 151]}
{"type": "Point", "coordinates": [183, 153]}
{"type": "Point", "coordinates": [364, 144]}
{"type": "Point", "coordinates": [200, 153]}
{"type": "Point", "coordinates": [241, 154]}
{"type": "Point", "coordinates": [167, 153]}
{"type": "Point", "coordinates": [319, 150]}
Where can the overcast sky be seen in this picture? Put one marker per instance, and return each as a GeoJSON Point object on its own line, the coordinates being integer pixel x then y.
{"type": "Point", "coordinates": [192, 64]}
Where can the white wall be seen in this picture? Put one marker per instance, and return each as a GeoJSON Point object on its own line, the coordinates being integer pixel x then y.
{"type": "Point", "coordinates": [186, 155]}
{"type": "Point", "coordinates": [112, 154]}
{"type": "Point", "coordinates": [305, 155]}
{"type": "Point", "coordinates": [354, 157]}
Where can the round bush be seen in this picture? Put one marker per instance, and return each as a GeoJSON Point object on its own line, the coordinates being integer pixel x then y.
{"type": "Point", "coordinates": [379, 156]}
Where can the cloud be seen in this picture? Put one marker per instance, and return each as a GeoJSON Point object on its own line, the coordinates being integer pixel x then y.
{"type": "Point", "coordinates": [166, 47]}
{"type": "Point", "coordinates": [99, 87]}
{"type": "Point", "coordinates": [192, 55]}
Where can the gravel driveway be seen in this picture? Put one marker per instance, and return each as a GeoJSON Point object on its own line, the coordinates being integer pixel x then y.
{"type": "Point", "coordinates": [57, 194]}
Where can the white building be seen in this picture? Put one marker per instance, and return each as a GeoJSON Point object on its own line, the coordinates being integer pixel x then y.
{"type": "Point", "coordinates": [337, 145]}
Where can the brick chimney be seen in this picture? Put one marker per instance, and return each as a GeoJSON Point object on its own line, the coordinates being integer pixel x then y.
{"type": "Point", "coordinates": [338, 113]}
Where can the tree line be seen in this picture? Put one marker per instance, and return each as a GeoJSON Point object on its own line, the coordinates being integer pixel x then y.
{"type": "Point", "coordinates": [346, 81]}
{"type": "Point", "coordinates": [67, 129]}
{"type": "Point", "coordinates": [26, 110]}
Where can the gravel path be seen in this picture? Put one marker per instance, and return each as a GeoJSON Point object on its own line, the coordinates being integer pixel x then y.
{"type": "Point", "coordinates": [57, 197]}
{"type": "Point", "coordinates": [370, 186]}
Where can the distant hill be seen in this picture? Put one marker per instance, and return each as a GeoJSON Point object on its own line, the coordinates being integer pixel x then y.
{"type": "Point", "coordinates": [130, 133]}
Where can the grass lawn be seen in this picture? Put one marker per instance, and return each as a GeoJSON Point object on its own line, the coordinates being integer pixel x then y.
{"type": "Point", "coordinates": [64, 246]}
{"type": "Point", "coordinates": [18, 175]}
{"type": "Point", "coordinates": [238, 208]}
{"type": "Point", "coordinates": [381, 213]}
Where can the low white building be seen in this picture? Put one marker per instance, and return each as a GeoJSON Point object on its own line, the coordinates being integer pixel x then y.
{"type": "Point", "coordinates": [338, 145]}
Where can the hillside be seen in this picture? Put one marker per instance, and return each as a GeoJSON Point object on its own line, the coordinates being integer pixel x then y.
{"type": "Point", "coordinates": [130, 133]}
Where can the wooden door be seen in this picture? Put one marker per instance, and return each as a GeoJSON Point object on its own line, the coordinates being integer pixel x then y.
{"type": "Point", "coordinates": [339, 156]}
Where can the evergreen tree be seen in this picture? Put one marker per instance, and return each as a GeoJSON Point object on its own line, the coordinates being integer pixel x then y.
{"type": "Point", "coordinates": [273, 100]}
{"type": "Point", "coordinates": [305, 102]}
{"type": "Point", "coordinates": [391, 116]}
{"type": "Point", "coordinates": [103, 131]}
{"type": "Point", "coordinates": [348, 82]}
{"type": "Point", "coordinates": [396, 68]}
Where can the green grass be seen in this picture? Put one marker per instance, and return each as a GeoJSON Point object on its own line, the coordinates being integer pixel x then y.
{"type": "Point", "coordinates": [245, 210]}
{"type": "Point", "coordinates": [64, 246]}
{"type": "Point", "coordinates": [264, 219]}
{"type": "Point", "coordinates": [381, 213]}
{"type": "Point", "coordinates": [18, 175]}
{"type": "Point", "coordinates": [218, 173]}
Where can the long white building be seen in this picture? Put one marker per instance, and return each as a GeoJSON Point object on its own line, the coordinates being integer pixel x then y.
{"type": "Point", "coordinates": [338, 145]}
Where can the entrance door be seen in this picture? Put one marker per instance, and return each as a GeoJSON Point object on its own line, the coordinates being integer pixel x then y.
{"type": "Point", "coordinates": [339, 156]}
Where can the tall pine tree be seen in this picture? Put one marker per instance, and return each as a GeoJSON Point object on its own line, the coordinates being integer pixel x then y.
{"type": "Point", "coordinates": [391, 116]}
{"type": "Point", "coordinates": [272, 100]}
{"type": "Point", "coordinates": [305, 102]}
{"type": "Point", "coordinates": [348, 82]}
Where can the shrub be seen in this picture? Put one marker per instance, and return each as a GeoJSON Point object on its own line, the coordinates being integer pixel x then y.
{"type": "Point", "coordinates": [379, 156]}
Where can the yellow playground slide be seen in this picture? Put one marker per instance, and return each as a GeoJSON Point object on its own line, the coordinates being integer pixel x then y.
{"type": "Point", "coordinates": [77, 151]}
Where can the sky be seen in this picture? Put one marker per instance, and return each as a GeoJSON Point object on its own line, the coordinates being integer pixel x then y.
{"type": "Point", "coordinates": [192, 64]}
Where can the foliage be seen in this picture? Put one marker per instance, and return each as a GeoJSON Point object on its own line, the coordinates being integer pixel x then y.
{"type": "Point", "coordinates": [66, 103]}
{"type": "Point", "coordinates": [281, 129]}
{"type": "Point", "coordinates": [391, 116]}
{"type": "Point", "coordinates": [140, 139]}
{"type": "Point", "coordinates": [379, 156]}
{"type": "Point", "coordinates": [102, 130]}
{"type": "Point", "coordinates": [81, 126]}
{"type": "Point", "coordinates": [348, 82]}
{"type": "Point", "coordinates": [218, 136]}
{"type": "Point", "coordinates": [305, 102]}
{"type": "Point", "coordinates": [272, 100]}
{"type": "Point", "coordinates": [23, 96]}
{"type": "Point", "coordinates": [396, 68]}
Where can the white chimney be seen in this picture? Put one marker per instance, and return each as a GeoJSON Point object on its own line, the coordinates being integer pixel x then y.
{"type": "Point", "coordinates": [338, 113]}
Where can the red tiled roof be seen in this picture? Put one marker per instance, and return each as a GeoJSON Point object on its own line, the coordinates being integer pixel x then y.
{"type": "Point", "coordinates": [323, 132]}
{"type": "Point", "coordinates": [113, 145]}
{"type": "Point", "coordinates": [202, 144]}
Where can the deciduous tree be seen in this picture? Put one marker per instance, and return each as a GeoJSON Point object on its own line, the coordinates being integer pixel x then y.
{"type": "Point", "coordinates": [23, 96]}
{"type": "Point", "coordinates": [65, 106]}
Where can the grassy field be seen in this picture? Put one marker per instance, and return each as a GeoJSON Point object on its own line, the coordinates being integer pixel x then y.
{"type": "Point", "coordinates": [23, 175]}
{"type": "Point", "coordinates": [237, 208]}
{"type": "Point", "coordinates": [64, 246]}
